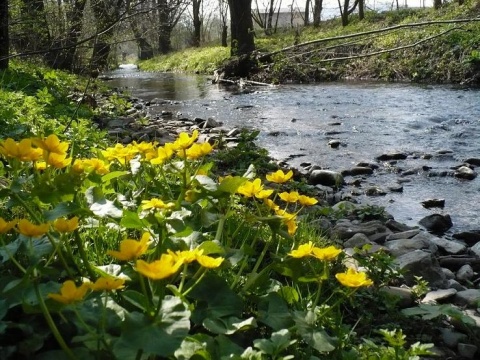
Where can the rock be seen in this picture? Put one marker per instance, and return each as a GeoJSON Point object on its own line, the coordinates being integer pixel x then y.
{"type": "Point", "coordinates": [405, 246]}
{"type": "Point", "coordinates": [448, 273]}
{"type": "Point", "coordinates": [476, 249]}
{"type": "Point", "coordinates": [468, 351]}
{"type": "Point", "coordinates": [368, 164]}
{"type": "Point", "coordinates": [438, 295]}
{"type": "Point", "coordinates": [392, 156]}
{"type": "Point", "coordinates": [469, 297]}
{"type": "Point", "coordinates": [449, 246]}
{"type": "Point", "coordinates": [326, 177]}
{"type": "Point", "coordinates": [375, 191]}
{"type": "Point", "coordinates": [357, 241]}
{"type": "Point", "coordinates": [451, 338]}
{"type": "Point", "coordinates": [211, 123]}
{"type": "Point", "coordinates": [398, 226]}
{"type": "Point", "coordinates": [424, 264]}
{"type": "Point", "coordinates": [473, 161]}
{"type": "Point", "coordinates": [436, 223]}
{"type": "Point", "coordinates": [464, 172]}
{"type": "Point", "coordinates": [403, 235]}
{"type": "Point", "coordinates": [469, 237]}
{"type": "Point", "coordinates": [404, 296]}
{"type": "Point", "coordinates": [395, 188]}
{"type": "Point", "coordinates": [345, 229]}
{"type": "Point", "coordinates": [358, 170]}
{"type": "Point", "coordinates": [379, 238]}
{"type": "Point", "coordinates": [429, 203]}
{"type": "Point", "coordinates": [334, 144]}
{"type": "Point", "coordinates": [454, 284]}
{"type": "Point", "coordinates": [346, 206]}
{"type": "Point", "coordinates": [465, 273]}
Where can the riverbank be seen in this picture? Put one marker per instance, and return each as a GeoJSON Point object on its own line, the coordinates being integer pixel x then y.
{"type": "Point", "coordinates": [435, 53]}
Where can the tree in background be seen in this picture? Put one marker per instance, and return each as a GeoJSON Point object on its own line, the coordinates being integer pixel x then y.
{"type": "Point", "coordinates": [264, 13]}
{"type": "Point", "coordinates": [4, 38]}
{"type": "Point", "coordinates": [223, 12]}
{"type": "Point", "coordinates": [169, 13]}
{"type": "Point", "coordinates": [197, 22]}
{"type": "Point", "coordinates": [306, 20]}
{"type": "Point", "coordinates": [317, 12]}
{"type": "Point", "coordinates": [136, 11]}
{"type": "Point", "coordinates": [241, 27]}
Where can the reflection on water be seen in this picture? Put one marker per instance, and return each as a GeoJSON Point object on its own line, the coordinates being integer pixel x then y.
{"type": "Point", "coordinates": [368, 118]}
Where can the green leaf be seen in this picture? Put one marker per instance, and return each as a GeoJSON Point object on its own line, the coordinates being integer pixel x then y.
{"type": "Point", "coordinates": [113, 175]}
{"type": "Point", "coordinates": [274, 312]}
{"type": "Point", "coordinates": [160, 337]}
{"type": "Point", "coordinates": [215, 299]}
{"type": "Point", "coordinates": [135, 298]}
{"type": "Point", "coordinates": [230, 185]}
{"type": "Point", "coordinates": [61, 210]}
{"type": "Point", "coordinates": [228, 326]}
{"type": "Point", "coordinates": [289, 294]}
{"type": "Point", "coordinates": [211, 247]}
{"type": "Point", "coordinates": [131, 220]}
{"type": "Point", "coordinates": [313, 334]}
{"type": "Point", "coordinates": [101, 206]}
{"type": "Point", "coordinates": [278, 342]}
{"type": "Point", "coordinates": [206, 182]}
{"type": "Point", "coordinates": [195, 348]}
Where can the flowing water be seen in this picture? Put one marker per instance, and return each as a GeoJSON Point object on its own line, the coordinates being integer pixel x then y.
{"type": "Point", "coordinates": [296, 122]}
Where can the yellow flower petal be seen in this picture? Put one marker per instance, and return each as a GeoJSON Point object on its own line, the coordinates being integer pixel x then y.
{"type": "Point", "coordinates": [131, 249]}
{"type": "Point", "coordinates": [302, 251]}
{"type": "Point", "coordinates": [160, 269]}
{"type": "Point", "coordinates": [209, 262]}
{"type": "Point", "coordinates": [354, 279]}
{"type": "Point", "coordinates": [279, 176]}
{"type": "Point", "coordinates": [6, 226]}
{"type": "Point", "coordinates": [66, 225]}
{"type": "Point", "coordinates": [70, 293]}
{"type": "Point", "coordinates": [107, 283]}
{"type": "Point", "coordinates": [29, 229]}
{"type": "Point", "coordinates": [326, 254]}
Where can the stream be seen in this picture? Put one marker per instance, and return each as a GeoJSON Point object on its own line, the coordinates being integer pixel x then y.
{"type": "Point", "coordinates": [438, 127]}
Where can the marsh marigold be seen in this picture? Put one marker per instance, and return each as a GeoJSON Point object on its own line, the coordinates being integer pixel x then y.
{"type": "Point", "coordinates": [131, 249]}
{"type": "Point", "coordinates": [70, 293]}
{"type": "Point", "coordinates": [353, 278]}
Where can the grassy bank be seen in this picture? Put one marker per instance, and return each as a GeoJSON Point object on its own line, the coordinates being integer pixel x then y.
{"type": "Point", "coordinates": [444, 53]}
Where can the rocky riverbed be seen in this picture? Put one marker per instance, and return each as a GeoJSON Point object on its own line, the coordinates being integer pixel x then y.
{"type": "Point", "coordinates": [449, 261]}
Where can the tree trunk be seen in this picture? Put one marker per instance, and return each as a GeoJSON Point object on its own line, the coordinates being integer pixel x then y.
{"type": "Point", "coordinates": [224, 35]}
{"type": "Point", "coordinates": [317, 12]}
{"type": "Point", "coordinates": [164, 28]}
{"type": "Point", "coordinates": [145, 50]}
{"type": "Point", "coordinates": [197, 23]}
{"type": "Point", "coordinates": [437, 4]}
{"type": "Point", "coordinates": [306, 20]}
{"type": "Point", "coordinates": [269, 22]}
{"type": "Point", "coordinates": [101, 50]}
{"type": "Point", "coordinates": [4, 38]}
{"type": "Point", "coordinates": [361, 9]}
{"type": "Point", "coordinates": [241, 27]}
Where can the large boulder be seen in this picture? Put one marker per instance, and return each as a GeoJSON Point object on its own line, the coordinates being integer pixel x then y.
{"type": "Point", "coordinates": [421, 263]}
{"type": "Point", "coordinates": [326, 177]}
{"type": "Point", "coordinates": [436, 223]}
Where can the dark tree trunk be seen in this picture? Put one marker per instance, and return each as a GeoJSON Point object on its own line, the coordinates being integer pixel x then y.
{"type": "Point", "coordinates": [317, 12]}
{"type": "Point", "coordinates": [241, 27]}
{"type": "Point", "coordinates": [4, 38]}
{"type": "Point", "coordinates": [164, 29]}
{"type": "Point", "coordinates": [306, 20]}
{"type": "Point", "coordinates": [101, 50]}
{"type": "Point", "coordinates": [145, 50]}
{"type": "Point", "coordinates": [361, 9]}
{"type": "Point", "coordinates": [197, 22]}
{"type": "Point", "coordinates": [437, 4]}
{"type": "Point", "coordinates": [224, 35]}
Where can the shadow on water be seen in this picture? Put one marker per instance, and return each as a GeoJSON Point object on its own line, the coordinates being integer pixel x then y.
{"type": "Point", "coordinates": [369, 119]}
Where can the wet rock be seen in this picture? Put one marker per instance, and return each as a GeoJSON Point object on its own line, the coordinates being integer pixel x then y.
{"type": "Point", "coordinates": [398, 226]}
{"type": "Point", "coordinates": [454, 284]}
{"type": "Point", "coordinates": [326, 177]}
{"type": "Point", "coordinates": [358, 170]}
{"type": "Point", "coordinates": [464, 172]}
{"type": "Point", "coordinates": [424, 264]}
{"type": "Point", "coordinates": [451, 338]}
{"type": "Point", "coordinates": [476, 249]}
{"type": "Point", "coordinates": [121, 122]}
{"type": "Point", "coordinates": [468, 351]}
{"type": "Point", "coordinates": [436, 223]}
{"type": "Point", "coordinates": [438, 296]}
{"type": "Point", "coordinates": [211, 123]}
{"type": "Point", "coordinates": [473, 161]}
{"type": "Point", "coordinates": [395, 188]}
{"type": "Point", "coordinates": [430, 203]}
{"type": "Point", "coordinates": [368, 164]}
{"type": "Point", "coordinates": [392, 156]}
{"type": "Point", "coordinates": [449, 246]}
{"type": "Point", "coordinates": [334, 144]}
{"type": "Point", "coordinates": [375, 191]}
{"type": "Point", "coordinates": [357, 241]}
{"type": "Point", "coordinates": [469, 297]}
{"type": "Point", "coordinates": [469, 237]}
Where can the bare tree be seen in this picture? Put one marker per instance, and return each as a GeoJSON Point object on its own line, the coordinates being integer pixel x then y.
{"type": "Point", "coordinates": [197, 22]}
{"type": "Point", "coordinates": [169, 13]}
{"type": "Point", "coordinates": [317, 12]}
{"type": "Point", "coordinates": [223, 10]}
{"type": "Point", "coordinates": [4, 38]}
{"type": "Point", "coordinates": [345, 10]}
{"type": "Point", "coordinates": [306, 20]}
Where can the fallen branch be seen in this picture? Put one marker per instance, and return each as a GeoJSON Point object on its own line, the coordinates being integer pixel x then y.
{"type": "Point", "coordinates": [242, 82]}
{"type": "Point", "coordinates": [377, 31]}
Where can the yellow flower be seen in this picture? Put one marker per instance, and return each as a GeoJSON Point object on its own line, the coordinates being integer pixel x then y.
{"type": "Point", "coordinates": [123, 154]}
{"type": "Point", "coordinates": [131, 249]}
{"type": "Point", "coordinates": [94, 165]}
{"type": "Point", "coordinates": [289, 220]}
{"type": "Point", "coordinates": [26, 228]}
{"type": "Point", "coordinates": [254, 188]}
{"type": "Point", "coordinates": [160, 269]}
{"type": "Point", "coordinates": [271, 204]}
{"type": "Point", "coordinates": [186, 256]}
{"type": "Point", "coordinates": [289, 197]}
{"type": "Point", "coordinates": [107, 283]}
{"type": "Point", "coordinates": [327, 254]}
{"type": "Point", "coordinates": [198, 150]}
{"type": "Point", "coordinates": [145, 149]}
{"type": "Point", "coordinates": [291, 226]}
{"type": "Point", "coordinates": [66, 225]}
{"type": "Point", "coordinates": [184, 141]}
{"type": "Point", "coordinates": [306, 200]}
{"type": "Point", "coordinates": [22, 151]}
{"type": "Point", "coordinates": [70, 293]}
{"type": "Point", "coordinates": [209, 262]}
{"type": "Point", "coordinates": [156, 204]}
{"type": "Point", "coordinates": [40, 165]}
{"type": "Point", "coordinates": [302, 251]}
{"type": "Point", "coordinates": [352, 278]}
{"type": "Point", "coordinates": [279, 176]}
{"type": "Point", "coordinates": [51, 144]}
{"type": "Point", "coordinates": [78, 166]}
{"type": "Point", "coordinates": [58, 161]}
{"type": "Point", "coordinates": [164, 153]}
{"type": "Point", "coordinates": [6, 226]}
